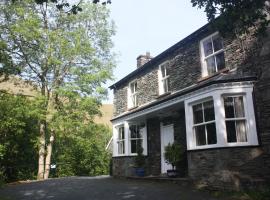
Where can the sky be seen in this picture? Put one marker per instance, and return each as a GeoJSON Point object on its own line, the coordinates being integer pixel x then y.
{"type": "Point", "coordinates": [149, 25]}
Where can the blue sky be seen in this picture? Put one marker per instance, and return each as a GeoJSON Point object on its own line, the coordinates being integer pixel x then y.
{"type": "Point", "coordinates": [149, 25]}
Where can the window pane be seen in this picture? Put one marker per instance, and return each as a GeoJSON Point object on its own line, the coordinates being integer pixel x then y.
{"type": "Point", "coordinates": [165, 85]}
{"type": "Point", "coordinates": [231, 132]}
{"type": "Point", "coordinates": [121, 147]}
{"type": "Point", "coordinates": [134, 100]}
{"type": "Point", "coordinates": [197, 113]}
{"type": "Point", "coordinates": [239, 107]}
{"type": "Point", "coordinates": [163, 70]}
{"type": "Point", "coordinates": [209, 112]}
{"type": "Point", "coordinates": [121, 133]}
{"type": "Point", "coordinates": [207, 46]}
{"type": "Point", "coordinates": [133, 131]}
{"type": "Point", "coordinates": [229, 107]}
{"type": "Point", "coordinates": [135, 86]}
{"type": "Point", "coordinates": [211, 65]}
{"type": "Point", "coordinates": [217, 42]}
{"type": "Point", "coordinates": [211, 133]}
{"type": "Point", "coordinates": [133, 146]}
{"type": "Point", "coordinates": [241, 131]}
{"type": "Point", "coordinates": [220, 61]}
{"type": "Point", "coordinates": [200, 135]}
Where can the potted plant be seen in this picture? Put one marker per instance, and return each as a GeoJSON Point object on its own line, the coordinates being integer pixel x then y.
{"type": "Point", "coordinates": [173, 155]}
{"type": "Point", "coordinates": [139, 160]}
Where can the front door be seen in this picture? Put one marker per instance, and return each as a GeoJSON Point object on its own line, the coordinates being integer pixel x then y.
{"type": "Point", "coordinates": [167, 136]}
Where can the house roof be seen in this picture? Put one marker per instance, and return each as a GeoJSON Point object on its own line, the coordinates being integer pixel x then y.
{"type": "Point", "coordinates": [225, 77]}
{"type": "Point", "coordinates": [161, 56]}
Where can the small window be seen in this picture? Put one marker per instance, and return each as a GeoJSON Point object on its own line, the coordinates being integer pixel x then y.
{"type": "Point", "coordinates": [163, 79]}
{"type": "Point", "coordinates": [135, 138]}
{"type": "Point", "coordinates": [235, 119]}
{"type": "Point", "coordinates": [204, 125]}
{"type": "Point", "coordinates": [121, 140]}
{"type": "Point", "coordinates": [212, 54]}
{"type": "Point", "coordinates": [133, 94]}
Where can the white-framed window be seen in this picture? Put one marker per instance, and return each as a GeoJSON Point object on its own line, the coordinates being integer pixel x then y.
{"type": "Point", "coordinates": [135, 138]}
{"type": "Point", "coordinates": [132, 94]}
{"type": "Point", "coordinates": [163, 79]}
{"type": "Point", "coordinates": [121, 140]}
{"type": "Point", "coordinates": [127, 136]}
{"type": "Point", "coordinates": [212, 54]}
{"type": "Point", "coordinates": [204, 124]}
{"type": "Point", "coordinates": [235, 119]}
{"type": "Point", "coordinates": [221, 117]}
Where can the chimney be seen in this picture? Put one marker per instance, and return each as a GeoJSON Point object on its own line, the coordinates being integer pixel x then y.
{"type": "Point", "coordinates": [142, 59]}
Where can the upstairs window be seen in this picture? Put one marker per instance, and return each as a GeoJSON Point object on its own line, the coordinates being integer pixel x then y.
{"type": "Point", "coordinates": [132, 97]}
{"type": "Point", "coordinates": [235, 119]}
{"type": "Point", "coordinates": [204, 125]}
{"type": "Point", "coordinates": [121, 140]}
{"type": "Point", "coordinates": [212, 53]}
{"type": "Point", "coordinates": [163, 79]}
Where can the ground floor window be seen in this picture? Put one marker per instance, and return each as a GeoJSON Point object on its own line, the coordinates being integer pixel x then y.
{"type": "Point", "coordinates": [235, 119]}
{"type": "Point", "coordinates": [204, 126]}
{"type": "Point", "coordinates": [221, 117]}
{"type": "Point", "coordinates": [128, 137]}
{"type": "Point", "coordinates": [135, 138]}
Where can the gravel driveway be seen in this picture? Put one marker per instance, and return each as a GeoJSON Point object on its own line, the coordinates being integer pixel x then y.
{"type": "Point", "coordinates": [99, 188]}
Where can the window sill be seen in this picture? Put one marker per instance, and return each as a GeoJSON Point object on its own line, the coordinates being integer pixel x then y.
{"type": "Point", "coordinates": [125, 155]}
{"type": "Point", "coordinates": [228, 145]}
{"type": "Point", "coordinates": [212, 75]}
{"type": "Point", "coordinates": [132, 108]}
{"type": "Point", "coordinates": [163, 95]}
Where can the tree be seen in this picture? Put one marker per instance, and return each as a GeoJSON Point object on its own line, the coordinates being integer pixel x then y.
{"type": "Point", "coordinates": [18, 137]}
{"type": "Point", "coordinates": [236, 15]}
{"type": "Point", "coordinates": [68, 57]}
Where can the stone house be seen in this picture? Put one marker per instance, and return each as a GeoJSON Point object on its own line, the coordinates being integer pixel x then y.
{"type": "Point", "coordinates": [209, 93]}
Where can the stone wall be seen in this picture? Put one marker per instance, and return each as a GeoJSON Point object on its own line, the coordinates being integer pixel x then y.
{"type": "Point", "coordinates": [228, 168]}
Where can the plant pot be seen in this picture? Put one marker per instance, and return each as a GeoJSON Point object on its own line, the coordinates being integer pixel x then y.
{"type": "Point", "coordinates": [172, 173]}
{"type": "Point", "coordinates": [139, 172]}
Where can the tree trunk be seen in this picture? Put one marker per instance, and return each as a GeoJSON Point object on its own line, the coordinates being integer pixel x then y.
{"type": "Point", "coordinates": [41, 152]}
{"type": "Point", "coordinates": [48, 158]}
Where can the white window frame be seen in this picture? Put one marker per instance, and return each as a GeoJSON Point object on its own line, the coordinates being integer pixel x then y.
{"type": "Point", "coordinates": [237, 118]}
{"type": "Point", "coordinates": [132, 139]}
{"type": "Point", "coordinates": [122, 140]}
{"type": "Point", "coordinates": [131, 96]}
{"type": "Point", "coordinates": [162, 79]}
{"type": "Point", "coordinates": [203, 123]}
{"type": "Point", "coordinates": [127, 140]}
{"type": "Point", "coordinates": [203, 57]}
{"type": "Point", "coordinates": [217, 95]}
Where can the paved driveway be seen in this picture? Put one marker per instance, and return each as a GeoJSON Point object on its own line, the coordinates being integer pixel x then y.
{"type": "Point", "coordinates": [99, 188]}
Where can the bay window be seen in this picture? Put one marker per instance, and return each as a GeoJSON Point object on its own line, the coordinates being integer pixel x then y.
{"type": "Point", "coordinates": [221, 117]}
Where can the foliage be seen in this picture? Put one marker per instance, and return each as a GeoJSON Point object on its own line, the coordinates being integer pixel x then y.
{"type": "Point", "coordinates": [67, 56]}
{"type": "Point", "coordinates": [18, 138]}
{"type": "Point", "coordinates": [82, 154]}
{"type": "Point", "coordinates": [173, 154]}
{"type": "Point", "coordinates": [236, 15]}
